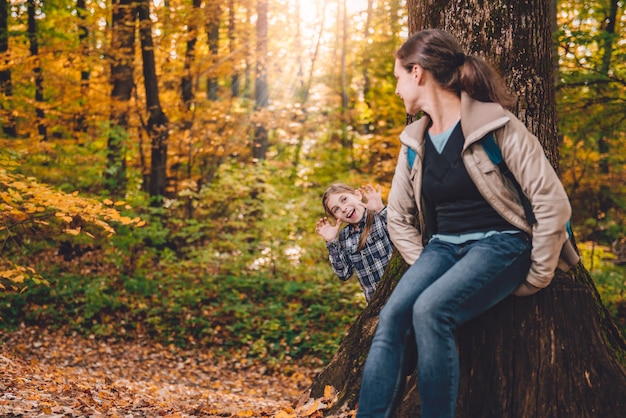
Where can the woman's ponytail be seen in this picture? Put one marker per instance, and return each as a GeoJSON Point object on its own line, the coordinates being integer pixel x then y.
{"type": "Point", "coordinates": [440, 54]}
{"type": "Point", "coordinates": [483, 83]}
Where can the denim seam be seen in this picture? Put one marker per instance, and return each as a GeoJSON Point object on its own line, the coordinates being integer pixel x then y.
{"type": "Point", "coordinates": [397, 386]}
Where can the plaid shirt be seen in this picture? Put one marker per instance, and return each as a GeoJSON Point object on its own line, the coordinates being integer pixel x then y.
{"type": "Point", "coordinates": [371, 261]}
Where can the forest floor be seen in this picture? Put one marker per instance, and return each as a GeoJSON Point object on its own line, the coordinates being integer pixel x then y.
{"type": "Point", "coordinates": [51, 374]}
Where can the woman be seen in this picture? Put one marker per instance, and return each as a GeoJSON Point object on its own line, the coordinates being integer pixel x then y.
{"type": "Point", "coordinates": [456, 220]}
{"type": "Point", "coordinates": [363, 245]}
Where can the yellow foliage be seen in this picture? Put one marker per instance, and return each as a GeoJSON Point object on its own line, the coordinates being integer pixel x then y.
{"type": "Point", "coordinates": [24, 201]}
{"type": "Point", "coordinates": [16, 274]}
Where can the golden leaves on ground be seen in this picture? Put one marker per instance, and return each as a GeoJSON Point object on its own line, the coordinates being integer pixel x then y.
{"type": "Point", "coordinates": [52, 374]}
{"type": "Point", "coordinates": [314, 408]}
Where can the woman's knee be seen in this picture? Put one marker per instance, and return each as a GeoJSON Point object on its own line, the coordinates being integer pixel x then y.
{"type": "Point", "coordinates": [428, 316]}
{"type": "Point", "coordinates": [393, 319]}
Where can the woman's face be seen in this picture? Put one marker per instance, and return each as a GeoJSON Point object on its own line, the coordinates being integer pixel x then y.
{"type": "Point", "coordinates": [407, 85]}
{"type": "Point", "coordinates": [346, 207]}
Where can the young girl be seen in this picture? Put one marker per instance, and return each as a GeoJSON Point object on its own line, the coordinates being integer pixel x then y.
{"type": "Point", "coordinates": [457, 221]}
{"type": "Point", "coordinates": [363, 245]}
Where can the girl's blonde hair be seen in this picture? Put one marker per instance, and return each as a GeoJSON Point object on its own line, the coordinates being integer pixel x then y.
{"type": "Point", "coordinates": [344, 188]}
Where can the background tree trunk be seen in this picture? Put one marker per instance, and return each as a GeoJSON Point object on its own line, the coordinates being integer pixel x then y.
{"type": "Point", "coordinates": [6, 86]}
{"type": "Point", "coordinates": [234, 80]}
{"type": "Point", "coordinates": [122, 50]}
{"type": "Point", "coordinates": [187, 82]}
{"type": "Point", "coordinates": [554, 354]}
{"type": "Point", "coordinates": [158, 124]}
{"type": "Point", "coordinates": [85, 74]}
{"type": "Point", "coordinates": [261, 89]}
{"type": "Point", "coordinates": [342, 16]}
{"type": "Point", "coordinates": [34, 52]}
{"type": "Point", "coordinates": [213, 10]}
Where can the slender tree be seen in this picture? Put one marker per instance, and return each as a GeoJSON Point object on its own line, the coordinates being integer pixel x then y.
{"type": "Point", "coordinates": [83, 38]}
{"type": "Point", "coordinates": [366, 34]}
{"type": "Point", "coordinates": [261, 89]}
{"type": "Point", "coordinates": [213, 10]}
{"type": "Point", "coordinates": [187, 92]}
{"type": "Point", "coordinates": [158, 123]}
{"type": "Point", "coordinates": [247, 73]}
{"type": "Point", "coordinates": [304, 85]}
{"type": "Point", "coordinates": [6, 85]}
{"type": "Point", "coordinates": [123, 29]}
{"type": "Point", "coordinates": [32, 7]}
{"type": "Point", "coordinates": [554, 354]}
{"type": "Point", "coordinates": [234, 82]}
{"type": "Point", "coordinates": [342, 16]}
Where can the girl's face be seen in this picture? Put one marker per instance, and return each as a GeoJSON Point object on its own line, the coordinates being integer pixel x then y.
{"type": "Point", "coordinates": [346, 207]}
{"type": "Point", "coordinates": [407, 86]}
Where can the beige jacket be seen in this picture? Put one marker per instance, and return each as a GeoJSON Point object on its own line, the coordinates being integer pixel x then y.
{"type": "Point", "coordinates": [525, 158]}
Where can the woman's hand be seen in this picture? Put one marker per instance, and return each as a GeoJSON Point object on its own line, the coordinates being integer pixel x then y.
{"type": "Point", "coordinates": [373, 196]}
{"type": "Point", "coordinates": [326, 230]}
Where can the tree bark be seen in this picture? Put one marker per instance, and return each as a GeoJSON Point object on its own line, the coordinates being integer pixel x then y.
{"type": "Point", "coordinates": [158, 123]}
{"type": "Point", "coordinates": [34, 52]}
{"type": "Point", "coordinates": [6, 85]}
{"type": "Point", "coordinates": [122, 50]}
{"type": "Point", "coordinates": [342, 15]}
{"type": "Point", "coordinates": [213, 39]}
{"type": "Point", "coordinates": [83, 38]}
{"type": "Point", "coordinates": [261, 89]}
{"type": "Point", "coordinates": [234, 80]}
{"type": "Point", "coordinates": [554, 354]}
{"type": "Point", "coordinates": [187, 90]}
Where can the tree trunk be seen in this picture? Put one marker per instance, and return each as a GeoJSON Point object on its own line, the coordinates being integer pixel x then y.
{"type": "Point", "coordinates": [6, 85]}
{"type": "Point", "coordinates": [554, 354]}
{"type": "Point", "coordinates": [158, 124]}
{"type": "Point", "coordinates": [261, 90]}
{"type": "Point", "coordinates": [187, 91]}
{"type": "Point", "coordinates": [234, 80]}
{"type": "Point", "coordinates": [34, 52]}
{"type": "Point", "coordinates": [304, 85]}
{"type": "Point", "coordinates": [213, 38]}
{"type": "Point", "coordinates": [83, 37]}
{"type": "Point", "coordinates": [345, 370]}
{"type": "Point", "coordinates": [122, 47]}
{"type": "Point", "coordinates": [342, 16]}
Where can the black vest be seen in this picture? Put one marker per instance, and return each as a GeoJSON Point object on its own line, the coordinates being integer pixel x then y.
{"type": "Point", "coordinates": [446, 185]}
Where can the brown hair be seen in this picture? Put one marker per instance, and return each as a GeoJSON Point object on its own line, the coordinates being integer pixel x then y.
{"type": "Point", "coordinates": [440, 54]}
{"type": "Point", "coordinates": [344, 188]}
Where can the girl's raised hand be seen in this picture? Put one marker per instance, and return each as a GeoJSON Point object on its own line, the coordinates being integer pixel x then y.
{"type": "Point", "coordinates": [373, 196]}
{"type": "Point", "coordinates": [326, 230]}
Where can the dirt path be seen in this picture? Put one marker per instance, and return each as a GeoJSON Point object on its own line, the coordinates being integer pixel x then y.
{"type": "Point", "coordinates": [52, 375]}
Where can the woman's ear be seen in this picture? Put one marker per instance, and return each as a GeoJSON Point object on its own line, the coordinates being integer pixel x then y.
{"type": "Point", "coordinates": [418, 73]}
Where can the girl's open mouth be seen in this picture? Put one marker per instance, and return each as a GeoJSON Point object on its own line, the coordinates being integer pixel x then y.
{"type": "Point", "coordinates": [351, 214]}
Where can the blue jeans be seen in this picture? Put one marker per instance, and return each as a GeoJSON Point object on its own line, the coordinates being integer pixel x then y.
{"type": "Point", "coordinates": [447, 286]}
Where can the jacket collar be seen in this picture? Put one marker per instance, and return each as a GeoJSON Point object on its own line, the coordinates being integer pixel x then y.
{"type": "Point", "coordinates": [477, 119]}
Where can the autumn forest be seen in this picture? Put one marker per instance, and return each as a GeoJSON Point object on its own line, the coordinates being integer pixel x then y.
{"type": "Point", "coordinates": [161, 171]}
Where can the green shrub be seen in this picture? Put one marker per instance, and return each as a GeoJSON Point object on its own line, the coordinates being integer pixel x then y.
{"type": "Point", "coordinates": [610, 280]}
